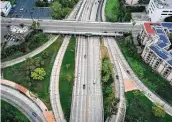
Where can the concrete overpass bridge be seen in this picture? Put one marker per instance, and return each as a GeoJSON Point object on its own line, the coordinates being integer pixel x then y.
{"type": "Point", "coordinates": [87, 28]}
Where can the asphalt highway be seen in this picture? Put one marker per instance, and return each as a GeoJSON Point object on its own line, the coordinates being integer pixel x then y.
{"type": "Point", "coordinates": [119, 83]}
{"type": "Point", "coordinates": [87, 101]}
{"type": "Point", "coordinates": [54, 80]}
{"type": "Point", "coordinates": [23, 103]}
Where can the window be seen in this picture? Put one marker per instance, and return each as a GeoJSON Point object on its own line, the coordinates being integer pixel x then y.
{"type": "Point", "coordinates": [163, 14]}
{"type": "Point", "coordinates": [165, 11]}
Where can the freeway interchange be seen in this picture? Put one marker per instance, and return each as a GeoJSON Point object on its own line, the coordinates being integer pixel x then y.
{"type": "Point", "coordinates": [87, 98]}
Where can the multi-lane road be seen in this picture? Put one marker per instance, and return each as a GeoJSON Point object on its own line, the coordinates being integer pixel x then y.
{"type": "Point", "coordinates": [23, 103]}
{"type": "Point", "coordinates": [87, 101]}
{"type": "Point", "coordinates": [77, 27]}
{"type": "Point", "coordinates": [119, 83]}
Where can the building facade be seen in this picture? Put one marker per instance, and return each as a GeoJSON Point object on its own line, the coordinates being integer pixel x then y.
{"type": "Point", "coordinates": [5, 7]}
{"type": "Point", "coordinates": [157, 50]}
{"type": "Point", "coordinates": [158, 10]}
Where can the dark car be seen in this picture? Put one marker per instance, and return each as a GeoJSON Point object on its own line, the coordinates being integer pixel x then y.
{"type": "Point", "coordinates": [34, 114]}
{"type": "Point", "coordinates": [84, 86]}
{"type": "Point", "coordinates": [128, 72]}
{"type": "Point", "coordinates": [117, 77]}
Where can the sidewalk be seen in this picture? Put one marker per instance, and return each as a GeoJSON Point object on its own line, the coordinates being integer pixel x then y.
{"type": "Point", "coordinates": [54, 82]}
{"type": "Point", "coordinates": [31, 54]}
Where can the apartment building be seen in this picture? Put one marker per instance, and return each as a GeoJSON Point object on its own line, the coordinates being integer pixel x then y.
{"type": "Point", "coordinates": [158, 10]}
{"type": "Point", "coordinates": [157, 48]}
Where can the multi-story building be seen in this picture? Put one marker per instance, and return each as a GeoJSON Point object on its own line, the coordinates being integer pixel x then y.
{"type": "Point", "coordinates": [5, 7]}
{"type": "Point", "coordinates": [157, 48]}
{"type": "Point", "coordinates": [158, 10]}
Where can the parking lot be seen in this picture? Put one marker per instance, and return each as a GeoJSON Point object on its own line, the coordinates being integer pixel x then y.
{"type": "Point", "coordinates": [27, 9]}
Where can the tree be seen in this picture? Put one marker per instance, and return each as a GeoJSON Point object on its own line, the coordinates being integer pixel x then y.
{"type": "Point", "coordinates": [106, 78]}
{"type": "Point", "coordinates": [158, 110]}
{"type": "Point", "coordinates": [68, 77]}
{"type": "Point", "coordinates": [35, 25]}
{"type": "Point", "coordinates": [56, 10]}
{"type": "Point", "coordinates": [45, 55]}
{"type": "Point", "coordinates": [108, 90]}
{"type": "Point", "coordinates": [66, 11]}
{"type": "Point", "coordinates": [67, 66]}
{"type": "Point", "coordinates": [41, 3]}
{"type": "Point", "coordinates": [128, 41]}
{"type": "Point", "coordinates": [38, 74]}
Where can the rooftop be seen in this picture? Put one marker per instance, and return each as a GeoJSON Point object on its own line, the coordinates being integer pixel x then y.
{"type": "Point", "coordinates": [3, 4]}
{"type": "Point", "coordinates": [161, 48]}
{"type": "Point", "coordinates": [163, 4]}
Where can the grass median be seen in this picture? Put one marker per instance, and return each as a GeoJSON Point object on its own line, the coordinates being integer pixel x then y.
{"type": "Point", "coordinates": [139, 109]}
{"type": "Point", "coordinates": [107, 81]}
{"type": "Point", "coordinates": [11, 114]}
{"type": "Point", "coordinates": [112, 10]}
{"type": "Point", "coordinates": [16, 73]}
{"type": "Point", "coordinates": [67, 78]}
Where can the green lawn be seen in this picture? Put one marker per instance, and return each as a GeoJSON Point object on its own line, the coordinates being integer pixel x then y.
{"type": "Point", "coordinates": [11, 114]}
{"type": "Point", "coordinates": [112, 9]}
{"type": "Point", "coordinates": [151, 79]}
{"type": "Point", "coordinates": [139, 109]}
{"type": "Point", "coordinates": [67, 78]}
{"type": "Point", "coordinates": [41, 88]}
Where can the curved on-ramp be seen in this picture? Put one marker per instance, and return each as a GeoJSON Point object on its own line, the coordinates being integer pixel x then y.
{"type": "Point", "coordinates": [21, 98]}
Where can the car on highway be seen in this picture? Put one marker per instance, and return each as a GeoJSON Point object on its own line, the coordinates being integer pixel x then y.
{"type": "Point", "coordinates": [94, 81]}
{"type": "Point", "coordinates": [128, 72]}
{"type": "Point", "coordinates": [117, 77]}
{"type": "Point", "coordinates": [84, 86]}
{"type": "Point", "coordinates": [34, 114]}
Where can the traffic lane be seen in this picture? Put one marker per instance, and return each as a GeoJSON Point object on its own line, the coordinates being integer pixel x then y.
{"type": "Point", "coordinates": [69, 23]}
{"type": "Point", "coordinates": [77, 28]}
{"type": "Point", "coordinates": [24, 102]}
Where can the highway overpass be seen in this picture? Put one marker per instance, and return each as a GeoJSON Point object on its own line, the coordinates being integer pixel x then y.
{"type": "Point", "coordinates": [77, 27]}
